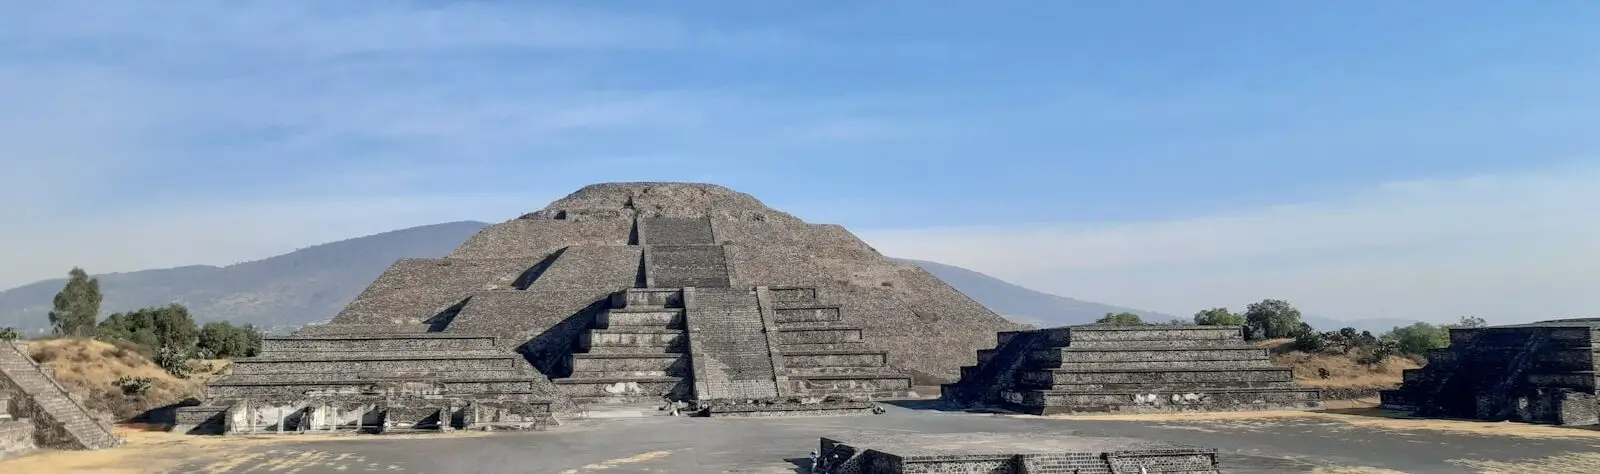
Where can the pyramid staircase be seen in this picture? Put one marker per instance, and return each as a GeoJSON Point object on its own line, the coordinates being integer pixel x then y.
{"type": "Point", "coordinates": [375, 382]}
{"type": "Point", "coordinates": [1095, 368]}
{"type": "Point", "coordinates": [636, 351]}
{"type": "Point", "coordinates": [57, 420]}
{"type": "Point", "coordinates": [822, 355]}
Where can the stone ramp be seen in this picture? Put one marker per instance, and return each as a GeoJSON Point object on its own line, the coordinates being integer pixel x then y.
{"type": "Point", "coordinates": [675, 231]}
{"type": "Point", "coordinates": [59, 420]}
{"type": "Point", "coordinates": [728, 345]}
{"type": "Point", "coordinates": [1022, 453]}
{"type": "Point", "coordinates": [679, 266]}
{"type": "Point", "coordinates": [1087, 369]}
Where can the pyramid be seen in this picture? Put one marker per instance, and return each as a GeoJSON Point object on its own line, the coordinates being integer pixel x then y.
{"type": "Point", "coordinates": [617, 293]}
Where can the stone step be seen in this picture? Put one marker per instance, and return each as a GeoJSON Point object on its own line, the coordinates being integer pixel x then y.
{"type": "Point", "coordinates": [783, 296]}
{"type": "Point", "coordinates": [661, 318]}
{"type": "Point", "coordinates": [1151, 334]}
{"type": "Point", "coordinates": [833, 370]}
{"type": "Point", "coordinates": [1048, 378]}
{"type": "Point", "coordinates": [806, 313]}
{"type": "Point", "coordinates": [851, 346]}
{"type": "Point", "coordinates": [382, 342]}
{"type": "Point", "coordinates": [273, 386]}
{"type": "Point", "coordinates": [1579, 380]}
{"type": "Point", "coordinates": [876, 384]}
{"type": "Point", "coordinates": [640, 337]}
{"type": "Point", "coordinates": [681, 348]}
{"type": "Point", "coordinates": [385, 363]}
{"type": "Point", "coordinates": [679, 266]}
{"type": "Point", "coordinates": [817, 333]}
{"type": "Point", "coordinates": [626, 389]}
{"type": "Point", "coordinates": [1049, 402]}
{"type": "Point", "coordinates": [845, 358]}
{"type": "Point", "coordinates": [362, 329]}
{"type": "Point", "coordinates": [661, 365]}
{"type": "Point", "coordinates": [648, 298]}
{"type": "Point", "coordinates": [1224, 364]}
{"type": "Point", "coordinates": [1046, 357]}
{"type": "Point", "coordinates": [1160, 344]}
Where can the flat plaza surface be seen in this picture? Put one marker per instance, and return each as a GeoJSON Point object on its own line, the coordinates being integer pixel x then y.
{"type": "Point", "coordinates": [1337, 441]}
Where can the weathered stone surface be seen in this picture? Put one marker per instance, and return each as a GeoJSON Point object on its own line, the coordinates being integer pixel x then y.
{"type": "Point", "coordinates": [1128, 369]}
{"type": "Point", "coordinates": [1542, 372]}
{"type": "Point", "coordinates": [1008, 453]}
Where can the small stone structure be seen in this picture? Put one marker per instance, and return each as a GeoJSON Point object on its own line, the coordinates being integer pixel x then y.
{"type": "Point", "coordinates": [1008, 453]}
{"type": "Point", "coordinates": [617, 293]}
{"type": "Point", "coordinates": [1095, 368]}
{"type": "Point", "coordinates": [36, 411]}
{"type": "Point", "coordinates": [1541, 372]}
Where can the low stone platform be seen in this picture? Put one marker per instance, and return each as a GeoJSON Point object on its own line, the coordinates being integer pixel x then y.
{"type": "Point", "coordinates": [1096, 368]}
{"type": "Point", "coordinates": [1541, 372]}
{"type": "Point", "coordinates": [1015, 453]}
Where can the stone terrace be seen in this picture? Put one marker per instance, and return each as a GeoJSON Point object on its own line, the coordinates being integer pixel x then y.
{"type": "Point", "coordinates": [375, 381]}
{"type": "Point", "coordinates": [1128, 369]}
{"type": "Point", "coordinates": [1542, 372]}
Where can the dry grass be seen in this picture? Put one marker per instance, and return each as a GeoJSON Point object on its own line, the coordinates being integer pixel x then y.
{"type": "Point", "coordinates": [147, 451]}
{"type": "Point", "coordinates": [1343, 370]}
{"type": "Point", "coordinates": [91, 368]}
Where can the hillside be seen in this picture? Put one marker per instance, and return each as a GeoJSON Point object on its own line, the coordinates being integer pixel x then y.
{"type": "Point", "coordinates": [1024, 305]}
{"type": "Point", "coordinates": [296, 288]}
{"type": "Point", "coordinates": [314, 283]}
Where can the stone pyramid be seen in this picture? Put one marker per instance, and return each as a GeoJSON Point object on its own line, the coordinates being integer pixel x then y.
{"type": "Point", "coordinates": [621, 292]}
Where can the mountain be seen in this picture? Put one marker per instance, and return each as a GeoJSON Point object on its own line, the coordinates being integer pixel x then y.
{"type": "Point", "coordinates": [307, 285]}
{"type": "Point", "coordinates": [314, 283]}
{"type": "Point", "coordinates": [1024, 305]}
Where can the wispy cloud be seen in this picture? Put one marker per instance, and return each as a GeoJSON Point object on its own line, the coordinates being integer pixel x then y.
{"type": "Point", "coordinates": [1511, 247]}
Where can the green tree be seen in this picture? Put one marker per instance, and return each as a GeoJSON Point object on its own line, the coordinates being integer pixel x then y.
{"type": "Point", "coordinates": [9, 334]}
{"type": "Point", "coordinates": [1272, 319]}
{"type": "Point", "coordinates": [1218, 317]}
{"type": "Point", "coordinates": [223, 339]}
{"type": "Point", "coordinates": [155, 328]}
{"type": "Point", "coordinates": [1417, 338]}
{"type": "Point", "coordinates": [77, 305]}
{"type": "Point", "coordinates": [1121, 319]}
{"type": "Point", "coordinates": [1468, 322]}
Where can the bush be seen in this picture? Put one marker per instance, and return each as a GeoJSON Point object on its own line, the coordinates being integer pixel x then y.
{"type": "Point", "coordinates": [1312, 342]}
{"type": "Point", "coordinates": [173, 360]}
{"type": "Point", "coordinates": [1417, 338]}
{"type": "Point", "coordinates": [1121, 319]}
{"type": "Point", "coordinates": [9, 334]}
{"type": "Point", "coordinates": [134, 385]}
{"type": "Point", "coordinates": [1218, 317]}
{"type": "Point", "coordinates": [221, 339]}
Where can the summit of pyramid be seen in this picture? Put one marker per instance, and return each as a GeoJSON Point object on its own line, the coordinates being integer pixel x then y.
{"type": "Point", "coordinates": [657, 199]}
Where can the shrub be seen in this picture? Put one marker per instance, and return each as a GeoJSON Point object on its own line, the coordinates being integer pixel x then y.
{"type": "Point", "coordinates": [173, 360]}
{"type": "Point", "coordinates": [134, 385]}
{"type": "Point", "coordinates": [1121, 319]}
{"type": "Point", "coordinates": [9, 334]}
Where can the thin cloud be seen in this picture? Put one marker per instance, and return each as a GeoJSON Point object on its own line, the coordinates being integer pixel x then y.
{"type": "Point", "coordinates": [1513, 247]}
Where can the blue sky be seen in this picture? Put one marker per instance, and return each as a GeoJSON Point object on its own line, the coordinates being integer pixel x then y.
{"type": "Point", "coordinates": [1409, 159]}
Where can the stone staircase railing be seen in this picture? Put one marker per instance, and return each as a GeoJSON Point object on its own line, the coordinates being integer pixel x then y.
{"type": "Point", "coordinates": [46, 394]}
